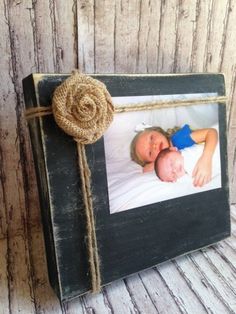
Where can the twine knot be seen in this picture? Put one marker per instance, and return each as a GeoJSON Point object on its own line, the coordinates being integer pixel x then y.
{"type": "Point", "coordinates": [82, 107]}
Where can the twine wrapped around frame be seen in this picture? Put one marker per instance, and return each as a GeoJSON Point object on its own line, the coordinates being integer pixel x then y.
{"type": "Point", "coordinates": [83, 108]}
{"type": "Point", "coordinates": [90, 223]}
{"type": "Point", "coordinates": [31, 113]}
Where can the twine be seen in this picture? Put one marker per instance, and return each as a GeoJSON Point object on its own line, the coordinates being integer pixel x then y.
{"type": "Point", "coordinates": [91, 234]}
{"type": "Point", "coordinates": [148, 105]}
{"type": "Point", "coordinates": [83, 108]}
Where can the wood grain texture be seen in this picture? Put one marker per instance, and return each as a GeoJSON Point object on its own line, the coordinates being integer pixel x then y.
{"type": "Point", "coordinates": [44, 38]}
{"type": "Point", "coordinates": [167, 36]}
{"type": "Point", "coordinates": [216, 35]}
{"type": "Point", "coordinates": [104, 47]}
{"type": "Point", "coordinates": [86, 34]}
{"type": "Point", "coordinates": [201, 30]}
{"type": "Point", "coordinates": [185, 27]}
{"type": "Point", "coordinates": [106, 36]}
{"type": "Point", "coordinates": [126, 35]}
{"type": "Point", "coordinates": [148, 37]}
{"type": "Point", "coordinates": [4, 288]}
{"type": "Point", "coordinates": [20, 292]}
{"type": "Point", "coordinates": [65, 32]}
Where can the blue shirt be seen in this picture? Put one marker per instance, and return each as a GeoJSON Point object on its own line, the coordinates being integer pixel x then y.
{"type": "Point", "coordinates": [182, 138]}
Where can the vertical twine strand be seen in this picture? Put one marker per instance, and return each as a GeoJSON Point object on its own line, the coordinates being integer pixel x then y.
{"type": "Point", "coordinates": [83, 108]}
{"type": "Point", "coordinates": [91, 234]}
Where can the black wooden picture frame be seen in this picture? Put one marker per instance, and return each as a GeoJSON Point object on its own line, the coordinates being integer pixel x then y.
{"type": "Point", "coordinates": [131, 240]}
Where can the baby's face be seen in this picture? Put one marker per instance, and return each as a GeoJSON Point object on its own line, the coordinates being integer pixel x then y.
{"type": "Point", "coordinates": [171, 166]}
{"type": "Point", "coordinates": [149, 144]}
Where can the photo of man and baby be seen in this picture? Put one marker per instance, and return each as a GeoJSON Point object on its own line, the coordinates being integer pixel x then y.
{"type": "Point", "coordinates": [161, 154]}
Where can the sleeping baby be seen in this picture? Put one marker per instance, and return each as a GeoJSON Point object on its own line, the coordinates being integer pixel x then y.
{"type": "Point", "coordinates": [172, 164]}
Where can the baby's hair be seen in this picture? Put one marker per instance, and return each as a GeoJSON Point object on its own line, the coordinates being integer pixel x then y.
{"type": "Point", "coordinates": [133, 153]}
{"type": "Point", "coordinates": [160, 156]}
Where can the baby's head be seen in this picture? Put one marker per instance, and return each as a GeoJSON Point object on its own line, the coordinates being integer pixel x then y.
{"type": "Point", "coordinates": [169, 165]}
{"type": "Point", "coordinates": [147, 144]}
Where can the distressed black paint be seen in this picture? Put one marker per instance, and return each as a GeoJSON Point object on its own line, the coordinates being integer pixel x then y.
{"type": "Point", "coordinates": [128, 241]}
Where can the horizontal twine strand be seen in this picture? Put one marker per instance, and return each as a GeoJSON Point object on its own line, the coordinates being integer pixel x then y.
{"type": "Point", "coordinates": [149, 105]}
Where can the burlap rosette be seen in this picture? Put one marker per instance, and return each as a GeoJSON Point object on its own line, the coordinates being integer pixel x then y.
{"type": "Point", "coordinates": [82, 107]}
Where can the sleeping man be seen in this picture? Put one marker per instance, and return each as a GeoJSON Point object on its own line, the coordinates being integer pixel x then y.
{"type": "Point", "coordinates": [171, 164]}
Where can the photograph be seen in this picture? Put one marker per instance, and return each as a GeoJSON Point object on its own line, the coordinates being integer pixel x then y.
{"type": "Point", "coordinates": [161, 154]}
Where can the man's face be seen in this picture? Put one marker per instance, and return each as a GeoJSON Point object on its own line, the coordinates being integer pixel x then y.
{"type": "Point", "coordinates": [171, 166]}
{"type": "Point", "coordinates": [149, 144]}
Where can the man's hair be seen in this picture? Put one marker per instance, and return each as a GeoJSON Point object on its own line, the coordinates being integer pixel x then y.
{"type": "Point", "coordinates": [133, 153]}
{"type": "Point", "coordinates": [160, 156]}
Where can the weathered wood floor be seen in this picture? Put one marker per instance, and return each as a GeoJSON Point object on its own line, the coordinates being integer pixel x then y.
{"type": "Point", "coordinates": [200, 282]}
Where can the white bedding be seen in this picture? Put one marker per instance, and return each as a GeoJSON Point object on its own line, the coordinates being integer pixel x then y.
{"type": "Point", "coordinates": [128, 187]}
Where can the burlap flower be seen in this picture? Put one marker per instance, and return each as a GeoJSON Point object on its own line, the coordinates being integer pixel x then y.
{"type": "Point", "coordinates": [82, 107]}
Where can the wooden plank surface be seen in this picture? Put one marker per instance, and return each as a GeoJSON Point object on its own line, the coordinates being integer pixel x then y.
{"type": "Point", "coordinates": [86, 36]}
{"type": "Point", "coordinates": [19, 280]}
{"type": "Point", "coordinates": [4, 287]}
{"type": "Point", "coordinates": [185, 27]}
{"type": "Point", "coordinates": [167, 36]}
{"type": "Point", "coordinates": [107, 36]}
